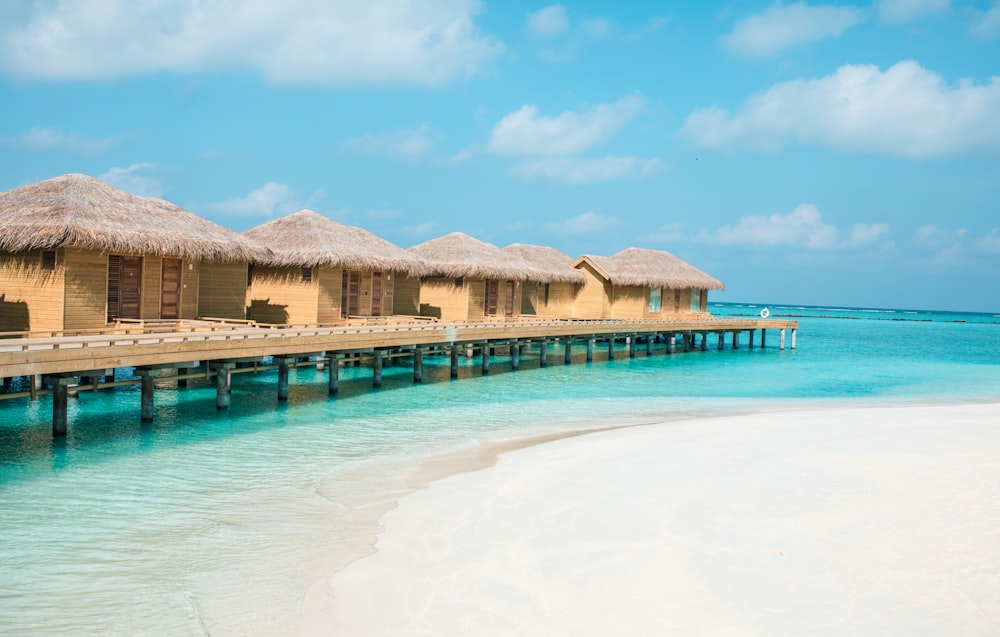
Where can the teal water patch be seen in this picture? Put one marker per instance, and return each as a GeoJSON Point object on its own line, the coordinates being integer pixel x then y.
{"type": "Point", "coordinates": [207, 521]}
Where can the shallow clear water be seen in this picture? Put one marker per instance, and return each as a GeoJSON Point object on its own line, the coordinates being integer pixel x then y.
{"type": "Point", "coordinates": [217, 522]}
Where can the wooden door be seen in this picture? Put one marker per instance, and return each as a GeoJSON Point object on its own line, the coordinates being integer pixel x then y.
{"type": "Point", "coordinates": [350, 290]}
{"type": "Point", "coordinates": [508, 308]}
{"type": "Point", "coordinates": [492, 292]}
{"type": "Point", "coordinates": [170, 290]}
{"type": "Point", "coordinates": [124, 275]}
{"type": "Point", "coordinates": [376, 294]}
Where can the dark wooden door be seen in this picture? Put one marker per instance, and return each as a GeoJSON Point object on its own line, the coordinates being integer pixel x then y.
{"type": "Point", "coordinates": [492, 292]}
{"type": "Point", "coordinates": [350, 290]}
{"type": "Point", "coordinates": [170, 295]}
{"type": "Point", "coordinates": [508, 308]}
{"type": "Point", "coordinates": [376, 294]}
{"type": "Point", "coordinates": [124, 275]}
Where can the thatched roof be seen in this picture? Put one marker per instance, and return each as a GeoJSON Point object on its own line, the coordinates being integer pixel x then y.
{"type": "Point", "coordinates": [82, 212]}
{"type": "Point", "coordinates": [558, 266]}
{"type": "Point", "coordinates": [459, 255]}
{"type": "Point", "coordinates": [306, 238]}
{"type": "Point", "coordinates": [639, 266]}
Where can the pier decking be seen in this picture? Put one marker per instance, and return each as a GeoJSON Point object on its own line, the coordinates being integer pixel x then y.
{"type": "Point", "coordinates": [60, 360]}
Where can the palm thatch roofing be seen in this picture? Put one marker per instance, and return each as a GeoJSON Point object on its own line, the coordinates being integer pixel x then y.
{"type": "Point", "coordinates": [551, 262]}
{"type": "Point", "coordinates": [306, 238]}
{"type": "Point", "coordinates": [78, 211]}
{"type": "Point", "coordinates": [459, 255]}
{"type": "Point", "coordinates": [655, 268]}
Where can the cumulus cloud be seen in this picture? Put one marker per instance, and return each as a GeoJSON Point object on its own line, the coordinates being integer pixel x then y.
{"type": "Point", "coordinates": [950, 244]}
{"type": "Point", "coordinates": [905, 111]}
{"type": "Point", "coordinates": [986, 24]}
{"type": "Point", "coordinates": [803, 227]}
{"type": "Point", "coordinates": [588, 223]}
{"type": "Point", "coordinates": [301, 42]}
{"type": "Point", "coordinates": [527, 132]}
{"type": "Point", "coordinates": [548, 21]}
{"type": "Point", "coordinates": [40, 139]}
{"type": "Point", "coordinates": [132, 180]}
{"type": "Point", "coordinates": [270, 200]}
{"type": "Point", "coordinates": [989, 243]}
{"type": "Point", "coordinates": [579, 170]}
{"type": "Point", "coordinates": [899, 11]}
{"type": "Point", "coordinates": [401, 144]}
{"type": "Point", "coordinates": [780, 26]}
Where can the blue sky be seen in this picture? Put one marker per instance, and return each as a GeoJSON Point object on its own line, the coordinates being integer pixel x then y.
{"type": "Point", "coordinates": [830, 154]}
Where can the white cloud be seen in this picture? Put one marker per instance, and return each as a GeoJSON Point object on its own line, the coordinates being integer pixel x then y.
{"type": "Point", "coordinates": [549, 21]}
{"type": "Point", "coordinates": [905, 111]}
{"type": "Point", "coordinates": [803, 227]}
{"type": "Point", "coordinates": [780, 26]}
{"type": "Point", "coordinates": [400, 144]}
{"type": "Point", "coordinates": [579, 170]}
{"type": "Point", "coordinates": [129, 180]}
{"type": "Point", "coordinates": [40, 139]}
{"type": "Point", "coordinates": [527, 132]}
{"type": "Point", "coordinates": [270, 200]}
{"type": "Point", "coordinates": [302, 42]}
{"type": "Point", "coordinates": [597, 28]}
{"type": "Point", "coordinates": [588, 223]}
{"type": "Point", "coordinates": [899, 11]}
{"type": "Point", "coordinates": [986, 24]}
{"type": "Point", "coordinates": [989, 243]}
{"type": "Point", "coordinates": [419, 230]}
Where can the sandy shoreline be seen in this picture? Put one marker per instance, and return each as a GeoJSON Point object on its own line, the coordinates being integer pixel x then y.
{"type": "Point", "coordinates": [834, 521]}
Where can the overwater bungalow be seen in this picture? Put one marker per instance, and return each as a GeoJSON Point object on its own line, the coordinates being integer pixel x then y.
{"type": "Point", "coordinates": [77, 253]}
{"type": "Point", "coordinates": [322, 271]}
{"type": "Point", "coordinates": [471, 280]}
{"type": "Point", "coordinates": [555, 297]}
{"type": "Point", "coordinates": [638, 283]}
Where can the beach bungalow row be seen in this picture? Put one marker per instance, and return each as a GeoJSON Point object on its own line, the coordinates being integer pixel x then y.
{"type": "Point", "coordinates": [77, 253]}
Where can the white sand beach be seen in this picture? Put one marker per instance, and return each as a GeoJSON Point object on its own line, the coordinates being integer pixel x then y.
{"type": "Point", "coordinates": [872, 521]}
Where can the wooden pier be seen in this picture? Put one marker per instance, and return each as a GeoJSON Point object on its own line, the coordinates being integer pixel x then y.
{"type": "Point", "coordinates": [76, 361]}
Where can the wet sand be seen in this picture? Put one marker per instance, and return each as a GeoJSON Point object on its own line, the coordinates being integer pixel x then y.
{"type": "Point", "coordinates": [828, 522]}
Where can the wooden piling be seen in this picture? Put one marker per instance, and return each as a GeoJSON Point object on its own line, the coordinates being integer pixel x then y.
{"type": "Point", "coordinates": [781, 339]}
{"type": "Point", "coordinates": [418, 364]}
{"type": "Point", "coordinates": [282, 377]}
{"type": "Point", "coordinates": [763, 337]}
{"type": "Point", "coordinates": [515, 355]}
{"type": "Point", "coordinates": [485, 358]}
{"type": "Point", "coordinates": [722, 340]}
{"type": "Point", "coordinates": [568, 353]}
{"type": "Point", "coordinates": [222, 385]}
{"type": "Point", "coordinates": [454, 361]}
{"type": "Point", "coordinates": [334, 374]}
{"type": "Point", "coordinates": [377, 368]}
{"type": "Point", "coordinates": [60, 393]}
{"type": "Point", "coordinates": [793, 337]}
{"type": "Point", "coordinates": [750, 341]}
{"type": "Point", "coordinates": [631, 345]}
{"type": "Point", "coordinates": [146, 400]}
{"type": "Point", "coordinates": [704, 341]}
{"type": "Point", "coordinates": [611, 347]}
{"type": "Point", "coordinates": [590, 349]}
{"type": "Point", "coordinates": [182, 382]}
{"type": "Point", "coordinates": [736, 339]}
{"type": "Point", "coordinates": [649, 344]}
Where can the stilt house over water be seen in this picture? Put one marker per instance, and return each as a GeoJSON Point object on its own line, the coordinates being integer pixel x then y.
{"type": "Point", "coordinates": [322, 271]}
{"type": "Point", "coordinates": [77, 253]}
{"type": "Point", "coordinates": [637, 283]}
{"type": "Point", "coordinates": [554, 298]}
{"type": "Point", "coordinates": [471, 280]}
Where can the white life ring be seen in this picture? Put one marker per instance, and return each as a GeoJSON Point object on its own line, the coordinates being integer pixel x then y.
{"type": "Point", "coordinates": [765, 313]}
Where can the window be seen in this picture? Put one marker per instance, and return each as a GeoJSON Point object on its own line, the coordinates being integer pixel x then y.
{"type": "Point", "coordinates": [48, 259]}
{"type": "Point", "coordinates": [307, 275]}
{"type": "Point", "coordinates": [459, 283]}
{"type": "Point", "coordinates": [654, 299]}
{"type": "Point", "coordinates": [545, 301]}
{"type": "Point", "coordinates": [696, 299]}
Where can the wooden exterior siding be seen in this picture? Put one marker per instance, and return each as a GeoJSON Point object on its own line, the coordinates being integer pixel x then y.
{"type": "Point", "coordinates": [406, 295]}
{"type": "Point", "coordinates": [30, 297]}
{"type": "Point", "coordinates": [593, 300]}
{"type": "Point", "coordinates": [222, 290]}
{"type": "Point", "coordinates": [149, 290]}
{"type": "Point", "coordinates": [190, 277]}
{"type": "Point", "coordinates": [279, 295]}
{"type": "Point", "coordinates": [328, 294]}
{"type": "Point", "coordinates": [86, 304]}
{"type": "Point", "coordinates": [475, 309]}
{"type": "Point", "coordinates": [562, 297]}
{"type": "Point", "coordinates": [439, 298]}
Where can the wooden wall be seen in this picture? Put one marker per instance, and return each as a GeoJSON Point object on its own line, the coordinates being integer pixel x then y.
{"type": "Point", "coordinates": [562, 297]}
{"type": "Point", "coordinates": [593, 299]}
{"type": "Point", "coordinates": [406, 295]}
{"type": "Point", "coordinates": [328, 294]}
{"type": "Point", "coordinates": [149, 292]}
{"type": "Point", "coordinates": [475, 309]}
{"type": "Point", "coordinates": [30, 297]}
{"type": "Point", "coordinates": [279, 295]}
{"type": "Point", "coordinates": [86, 305]}
{"type": "Point", "coordinates": [629, 301]}
{"type": "Point", "coordinates": [190, 276]}
{"type": "Point", "coordinates": [222, 290]}
{"type": "Point", "coordinates": [439, 298]}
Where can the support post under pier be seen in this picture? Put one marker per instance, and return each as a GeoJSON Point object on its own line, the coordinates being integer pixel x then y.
{"type": "Point", "coordinates": [418, 364]}
{"type": "Point", "coordinates": [334, 374]}
{"type": "Point", "coordinates": [568, 355]}
{"type": "Point", "coordinates": [485, 358]}
{"type": "Point", "coordinates": [377, 368]}
{"type": "Point", "coordinates": [590, 349]}
{"type": "Point", "coordinates": [454, 361]}
{"type": "Point", "coordinates": [515, 355]}
{"type": "Point", "coordinates": [543, 353]}
{"type": "Point", "coordinates": [222, 385]}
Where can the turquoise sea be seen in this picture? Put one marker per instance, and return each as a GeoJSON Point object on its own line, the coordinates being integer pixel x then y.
{"type": "Point", "coordinates": [207, 522]}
